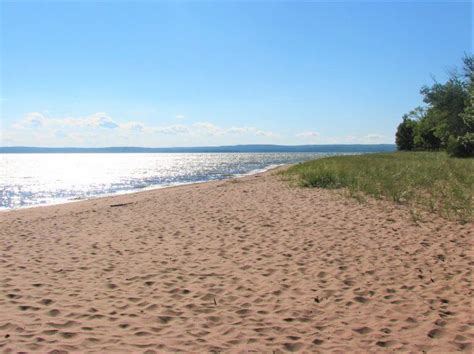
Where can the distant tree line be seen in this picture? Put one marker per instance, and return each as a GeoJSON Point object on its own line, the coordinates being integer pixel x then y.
{"type": "Point", "coordinates": [446, 122]}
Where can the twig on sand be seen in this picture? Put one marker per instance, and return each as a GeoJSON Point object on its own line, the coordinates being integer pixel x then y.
{"type": "Point", "coordinates": [119, 205]}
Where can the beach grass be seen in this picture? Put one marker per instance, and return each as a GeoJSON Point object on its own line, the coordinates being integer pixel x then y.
{"type": "Point", "coordinates": [430, 181]}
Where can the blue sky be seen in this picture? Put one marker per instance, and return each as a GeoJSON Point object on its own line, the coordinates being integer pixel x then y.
{"type": "Point", "coordinates": [215, 73]}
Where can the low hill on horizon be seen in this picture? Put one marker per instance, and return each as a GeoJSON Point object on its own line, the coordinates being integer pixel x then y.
{"type": "Point", "coordinates": [205, 149]}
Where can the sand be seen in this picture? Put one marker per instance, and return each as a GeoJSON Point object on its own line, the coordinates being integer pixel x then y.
{"type": "Point", "coordinates": [242, 265]}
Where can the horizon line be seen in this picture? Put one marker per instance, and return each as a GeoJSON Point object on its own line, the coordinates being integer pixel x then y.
{"type": "Point", "coordinates": [187, 147]}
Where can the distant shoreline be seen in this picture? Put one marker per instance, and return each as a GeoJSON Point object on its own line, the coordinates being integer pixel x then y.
{"type": "Point", "coordinates": [251, 148]}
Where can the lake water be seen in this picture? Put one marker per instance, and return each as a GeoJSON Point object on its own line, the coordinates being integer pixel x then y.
{"type": "Point", "coordinates": [40, 179]}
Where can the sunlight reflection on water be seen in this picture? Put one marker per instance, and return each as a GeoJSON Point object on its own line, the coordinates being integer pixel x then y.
{"type": "Point", "coordinates": [36, 179]}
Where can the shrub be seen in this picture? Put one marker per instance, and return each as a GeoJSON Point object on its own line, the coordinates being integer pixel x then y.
{"type": "Point", "coordinates": [322, 179]}
{"type": "Point", "coordinates": [462, 146]}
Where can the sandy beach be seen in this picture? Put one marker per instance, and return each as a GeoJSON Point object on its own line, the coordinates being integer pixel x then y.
{"type": "Point", "coordinates": [244, 265]}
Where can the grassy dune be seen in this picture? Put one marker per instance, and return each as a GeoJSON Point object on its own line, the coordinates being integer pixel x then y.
{"type": "Point", "coordinates": [422, 180]}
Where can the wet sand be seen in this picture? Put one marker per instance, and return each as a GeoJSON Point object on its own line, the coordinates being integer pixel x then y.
{"type": "Point", "coordinates": [242, 265]}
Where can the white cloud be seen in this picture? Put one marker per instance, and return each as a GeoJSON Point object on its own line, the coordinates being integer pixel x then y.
{"type": "Point", "coordinates": [62, 127]}
{"type": "Point", "coordinates": [96, 120]}
{"type": "Point", "coordinates": [208, 128]}
{"type": "Point", "coordinates": [355, 139]}
{"type": "Point", "coordinates": [372, 137]}
{"type": "Point", "coordinates": [101, 120]}
{"type": "Point", "coordinates": [60, 134]}
{"type": "Point", "coordinates": [238, 130]}
{"type": "Point", "coordinates": [249, 130]}
{"type": "Point", "coordinates": [177, 129]}
{"type": "Point", "coordinates": [267, 134]}
{"type": "Point", "coordinates": [101, 128]}
{"type": "Point", "coordinates": [308, 135]}
{"type": "Point", "coordinates": [133, 126]}
{"type": "Point", "coordinates": [32, 120]}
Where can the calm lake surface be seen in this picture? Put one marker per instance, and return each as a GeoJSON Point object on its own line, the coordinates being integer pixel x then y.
{"type": "Point", "coordinates": [40, 179]}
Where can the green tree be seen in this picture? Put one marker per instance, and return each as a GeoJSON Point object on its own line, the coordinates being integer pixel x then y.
{"type": "Point", "coordinates": [463, 145]}
{"type": "Point", "coordinates": [446, 102]}
{"type": "Point", "coordinates": [406, 133]}
{"type": "Point", "coordinates": [426, 133]}
{"type": "Point", "coordinates": [468, 115]}
{"type": "Point", "coordinates": [447, 120]}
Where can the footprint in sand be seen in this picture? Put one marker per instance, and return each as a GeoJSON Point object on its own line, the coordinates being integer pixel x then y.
{"type": "Point", "coordinates": [164, 319]}
{"type": "Point", "coordinates": [361, 299]}
{"type": "Point", "coordinates": [362, 330]}
{"type": "Point", "coordinates": [385, 344]}
{"type": "Point", "coordinates": [46, 302]}
{"type": "Point", "coordinates": [436, 333]}
{"type": "Point", "coordinates": [293, 347]}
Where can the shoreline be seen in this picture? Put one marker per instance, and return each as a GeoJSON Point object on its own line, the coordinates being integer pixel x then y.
{"type": "Point", "coordinates": [147, 189]}
{"type": "Point", "coordinates": [236, 265]}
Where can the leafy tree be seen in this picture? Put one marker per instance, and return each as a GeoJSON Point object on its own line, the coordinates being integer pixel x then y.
{"type": "Point", "coordinates": [406, 134]}
{"type": "Point", "coordinates": [426, 133]}
{"type": "Point", "coordinates": [446, 102]}
{"type": "Point", "coordinates": [463, 146]}
{"type": "Point", "coordinates": [468, 115]}
{"type": "Point", "coordinates": [447, 120]}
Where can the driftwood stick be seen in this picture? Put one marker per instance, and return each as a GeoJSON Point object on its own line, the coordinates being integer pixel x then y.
{"type": "Point", "coordinates": [119, 205]}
